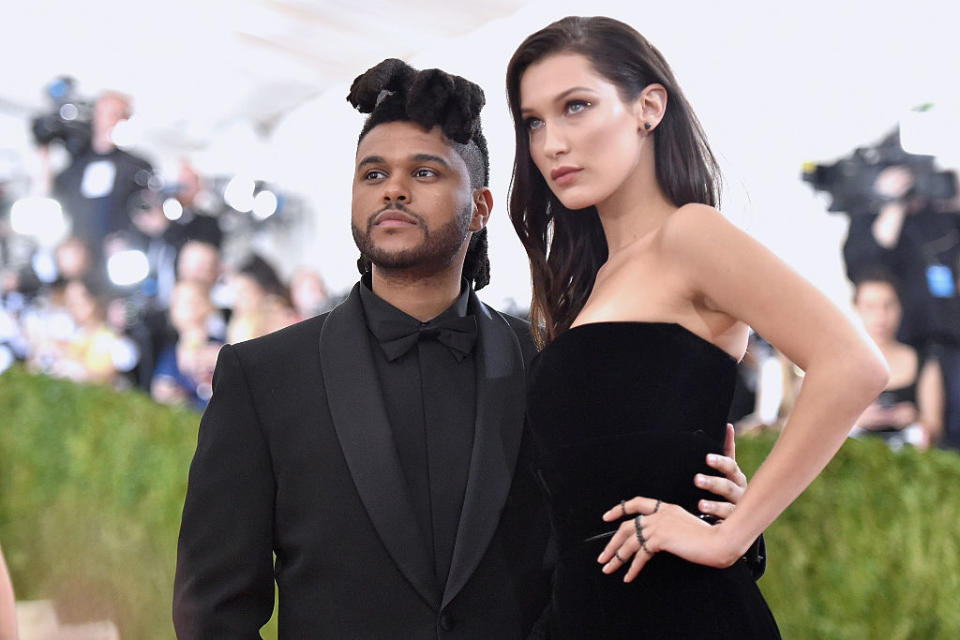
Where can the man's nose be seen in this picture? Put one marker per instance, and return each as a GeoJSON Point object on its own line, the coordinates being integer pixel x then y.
{"type": "Point", "coordinates": [396, 190]}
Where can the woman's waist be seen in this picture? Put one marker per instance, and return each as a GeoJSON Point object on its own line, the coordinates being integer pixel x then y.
{"type": "Point", "coordinates": [581, 482]}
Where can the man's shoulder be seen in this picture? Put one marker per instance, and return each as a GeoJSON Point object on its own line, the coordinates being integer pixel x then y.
{"type": "Point", "coordinates": [131, 159]}
{"type": "Point", "coordinates": [521, 327]}
{"type": "Point", "coordinates": [284, 346]}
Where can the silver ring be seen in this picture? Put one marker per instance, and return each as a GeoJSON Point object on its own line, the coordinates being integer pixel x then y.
{"type": "Point", "coordinates": [616, 554]}
{"type": "Point", "coordinates": [623, 508]}
{"type": "Point", "coordinates": [656, 507]}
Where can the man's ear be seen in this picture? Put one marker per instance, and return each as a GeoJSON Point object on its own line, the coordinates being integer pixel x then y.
{"type": "Point", "coordinates": [482, 205]}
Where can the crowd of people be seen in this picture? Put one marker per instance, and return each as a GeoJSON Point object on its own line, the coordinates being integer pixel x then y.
{"type": "Point", "coordinates": [83, 327]}
{"type": "Point", "coordinates": [163, 334]}
{"type": "Point", "coordinates": [87, 317]}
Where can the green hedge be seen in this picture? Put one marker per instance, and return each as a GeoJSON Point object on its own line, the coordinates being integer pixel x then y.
{"type": "Point", "coordinates": [92, 484]}
{"type": "Point", "coordinates": [871, 549]}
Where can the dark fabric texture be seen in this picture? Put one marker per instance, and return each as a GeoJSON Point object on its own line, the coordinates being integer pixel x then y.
{"type": "Point", "coordinates": [619, 409]}
{"type": "Point", "coordinates": [296, 457]}
{"type": "Point", "coordinates": [429, 389]}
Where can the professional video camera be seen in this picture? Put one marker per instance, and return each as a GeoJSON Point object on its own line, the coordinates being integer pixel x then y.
{"type": "Point", "coordinates": [68, 122]}
{"type": "Point", "coordinates": [850, 181]}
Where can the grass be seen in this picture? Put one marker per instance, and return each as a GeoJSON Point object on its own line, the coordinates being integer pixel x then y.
{"type": "Point", "coordinates": [92, 485]}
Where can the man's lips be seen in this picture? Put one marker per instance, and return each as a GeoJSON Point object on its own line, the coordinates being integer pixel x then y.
{"type": "Point", "coordinates": [394, 218]}
{"type": "Point", "coordinates": [564, 175]}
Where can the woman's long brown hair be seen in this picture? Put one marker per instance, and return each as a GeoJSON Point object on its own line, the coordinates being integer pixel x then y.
{"type": "Point", "coordinates": [566, 248]}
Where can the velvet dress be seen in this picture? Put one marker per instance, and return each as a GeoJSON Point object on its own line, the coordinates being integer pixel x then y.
{"type": "Point", "coordinates": [624, 409]}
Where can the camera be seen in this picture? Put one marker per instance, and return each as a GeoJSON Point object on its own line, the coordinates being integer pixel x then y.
{"type": "Point", "coordinates": [69, 121]}
{"type": "Point", "coordinates": [850, 181]}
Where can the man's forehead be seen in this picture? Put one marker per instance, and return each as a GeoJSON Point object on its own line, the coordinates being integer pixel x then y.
{"type": "Point", "coordinates": [403, 140]}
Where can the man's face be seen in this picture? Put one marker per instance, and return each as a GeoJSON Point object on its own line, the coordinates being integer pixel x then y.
{"type": "Point", "coordinates": [412, 202]}
{"type": "Point", "coordinates": [108, 111]}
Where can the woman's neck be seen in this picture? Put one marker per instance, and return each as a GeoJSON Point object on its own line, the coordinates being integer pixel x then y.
{"type": "Point", "coordinates": [636, 209]}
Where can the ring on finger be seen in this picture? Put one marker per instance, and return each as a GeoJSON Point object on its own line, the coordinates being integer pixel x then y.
{"type": "Point", "coordinates": [623, 508]}
{"type": "Point", "coordinates": [640, 536]}
{"type": "Point", "coordinates": [616, 554]}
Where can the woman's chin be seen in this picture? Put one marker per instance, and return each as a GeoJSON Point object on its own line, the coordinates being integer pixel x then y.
{"type": "Point", "coordinates": [575, 202]}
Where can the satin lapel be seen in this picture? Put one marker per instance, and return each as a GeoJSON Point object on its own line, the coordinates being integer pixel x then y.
{"type": "Point", "coordinates": [499, 426]}
{"type": "Point", "coordinates": [363, 429]}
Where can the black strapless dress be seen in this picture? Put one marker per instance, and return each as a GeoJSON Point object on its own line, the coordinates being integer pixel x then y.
{"type": "Point", "coordinates": [617, 410]}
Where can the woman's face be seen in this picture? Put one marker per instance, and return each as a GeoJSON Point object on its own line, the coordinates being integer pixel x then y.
{"type": "Point", "coordinates": [584, 139]}
{"type": "Point", "coordinates": [879, 309]}
{"type": "Point", "coordinates": [80, 304]}
{"type": "Point", "coordinates": [249, 294]}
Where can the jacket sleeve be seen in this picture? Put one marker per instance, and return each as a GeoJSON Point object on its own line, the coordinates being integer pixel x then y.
{"type": "Point", "coordinates": [224, 585]}
{"type": "Point", "coordinates": [860, 249]}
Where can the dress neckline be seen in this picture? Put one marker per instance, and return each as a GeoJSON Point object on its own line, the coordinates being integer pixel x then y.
{"type": "Point", "coordinates": [655, 323]}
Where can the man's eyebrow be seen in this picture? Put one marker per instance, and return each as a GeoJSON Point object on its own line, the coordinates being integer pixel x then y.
{"type": "Point", "coordinates": [428, 157]}
{"type": "Point", "coordinates": [559, 97]}
{"type": "Point", "coordinates": [370, 160]}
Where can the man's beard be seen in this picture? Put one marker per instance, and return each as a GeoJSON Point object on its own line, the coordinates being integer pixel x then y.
{"type": "Point", "coordinates": [436, 251]}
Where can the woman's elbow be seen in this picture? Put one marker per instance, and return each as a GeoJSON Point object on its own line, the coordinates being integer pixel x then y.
{"type": "Point", "coordinates": [874, 373]}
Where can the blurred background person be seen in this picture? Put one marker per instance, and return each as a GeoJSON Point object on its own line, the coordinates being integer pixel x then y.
{"type": "Point", "coordinates": [184, 372]}
{"type": "Point", "coordinates": [308, 293]}
{"type": "Point", "coordinates": [199, 261]}
{"type": "Point", "coordinates": [74, 259]}
{"type": "Point", "coordinates": [193, 222]}
{"type": "Point", "coordinates": [151, 233]}
{"type": "Point", "coordinates": [910, 409]}
{"type": "Point", "coordinates": [261, 303]}
{"type": "Point", "coordinates": [909, 224]}
{"type": "Point", "coordinates": [92, 351]}
{"type": "Point", "coordinates": [96, 186]}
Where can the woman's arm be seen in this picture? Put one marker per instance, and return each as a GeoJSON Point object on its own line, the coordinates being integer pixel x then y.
{"type": "Point", "coordinates": [8, 611]}
{"type": "Point", "coordinates": [727, 271]}
{"type": "Point", "coordinates": [930, 399]}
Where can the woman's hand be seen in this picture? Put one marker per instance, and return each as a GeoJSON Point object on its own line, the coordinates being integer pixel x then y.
{"type": "Point", "coordinates": [730, 486]}
{"type": "Point", "coordinates": [663, 527]}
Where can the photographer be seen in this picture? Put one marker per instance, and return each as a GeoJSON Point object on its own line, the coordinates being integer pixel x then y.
{"type": "Point", "coordinates": [914, 233]}
{"type": "Point", "coordinates": [95, 188]}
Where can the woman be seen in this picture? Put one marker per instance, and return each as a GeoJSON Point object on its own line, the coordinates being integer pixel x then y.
{"type": "Point", "coordinates": [910, 409]}
{"type": "Point", "coordinates": [184, 371]}
{"type": "Point", "coordinates": [261, 302]}
{"type": "Point", "coordinates": [642, 296]}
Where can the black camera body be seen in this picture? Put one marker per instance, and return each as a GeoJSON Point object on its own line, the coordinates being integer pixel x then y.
{"type": "Point", "coordinates": [69, 121]}
{"type": "Point", "coordinates": [850, 181]}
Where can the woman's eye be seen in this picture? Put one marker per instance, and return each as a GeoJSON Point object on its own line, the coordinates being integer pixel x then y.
{"type": "Point", "coordinates": [576, 106]}
{"type": "Point", "coordinates": [533, 124]}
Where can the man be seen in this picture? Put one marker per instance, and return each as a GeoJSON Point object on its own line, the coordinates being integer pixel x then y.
{"type": "Point", "coordinates": [96, 188]}
{"type": "Point", "coordinates": [377, 449]}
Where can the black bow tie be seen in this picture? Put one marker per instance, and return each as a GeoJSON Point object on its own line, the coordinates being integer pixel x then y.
{"type": "Point", "coordinates": [457, 334]}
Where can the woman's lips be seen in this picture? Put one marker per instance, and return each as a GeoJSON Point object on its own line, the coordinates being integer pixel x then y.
{"type": "Point", "coordinates": [564, 175]}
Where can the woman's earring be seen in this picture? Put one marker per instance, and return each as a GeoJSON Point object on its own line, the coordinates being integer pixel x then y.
{"type": "Point", "coordinates": [647, 125]}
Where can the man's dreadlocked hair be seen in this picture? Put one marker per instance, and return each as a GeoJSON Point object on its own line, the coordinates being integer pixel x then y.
{"type": "Point", "coordinates": [394, 91]}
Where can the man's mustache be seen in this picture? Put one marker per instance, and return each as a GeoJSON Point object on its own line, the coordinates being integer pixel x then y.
{"type": "Point", "coordinates": [395, 207]}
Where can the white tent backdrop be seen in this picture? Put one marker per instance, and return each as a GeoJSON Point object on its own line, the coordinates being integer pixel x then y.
{"type": "Point", "coordinates": [258, 87]}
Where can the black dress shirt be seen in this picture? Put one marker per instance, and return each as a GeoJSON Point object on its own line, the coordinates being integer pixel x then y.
{"type": "Point", "coordinates": [430, 395]}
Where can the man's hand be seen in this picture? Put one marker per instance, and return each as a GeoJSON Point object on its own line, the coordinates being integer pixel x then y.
{"type": "Point", "coordinates": [730, 486]}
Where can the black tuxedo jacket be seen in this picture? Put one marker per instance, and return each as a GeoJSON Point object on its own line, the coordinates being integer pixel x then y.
{"type": "Point", "coordinates": [295, 459]}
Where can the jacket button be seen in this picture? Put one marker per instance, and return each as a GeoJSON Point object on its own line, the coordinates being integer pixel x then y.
{"type": "Point", "coordinates": [446, 622]}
